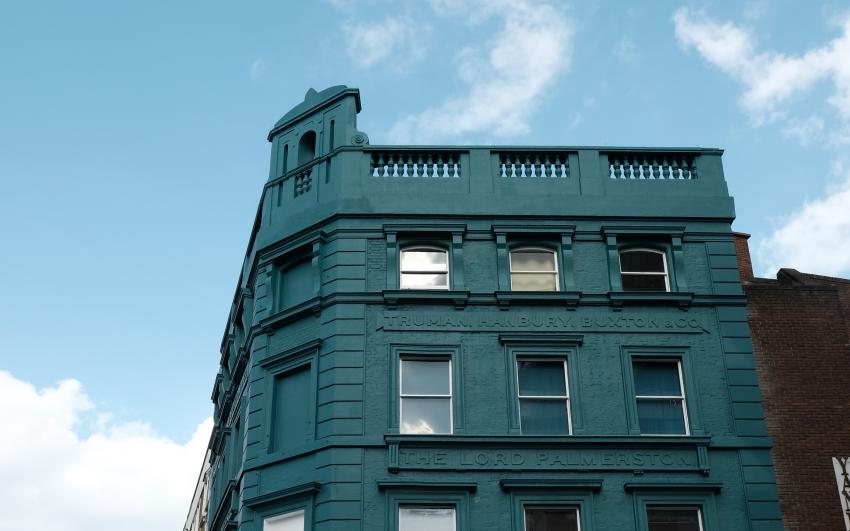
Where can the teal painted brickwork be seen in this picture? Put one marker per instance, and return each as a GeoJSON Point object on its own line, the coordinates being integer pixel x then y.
{"type": "Point", "coordinates": [335, 332]}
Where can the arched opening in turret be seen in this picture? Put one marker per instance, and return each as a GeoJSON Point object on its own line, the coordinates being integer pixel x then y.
{"type": "Point", "coordinates": [307, 147]}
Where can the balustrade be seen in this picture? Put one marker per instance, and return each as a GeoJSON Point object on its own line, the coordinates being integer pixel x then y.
{"type": "Point", "coordinates": [303, 181]}
{"type": "Point", "coordinates": [544, 165]}
{"type": "Point", "coordinates": [653, 166]}
{"type": "Point", "coordinates": [437, 164]}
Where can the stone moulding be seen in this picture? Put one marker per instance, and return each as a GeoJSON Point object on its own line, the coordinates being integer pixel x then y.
{"type": "Point", "coordinates": [591, 484]}
{"type": "Point", "coordinates": [692, 486]}
{"type": "Point", "coordinates": [544, 338]}
{"type": "Point", "coordinates": [393, 297]}
{"type": "Point", "coordinates": [569, 299]}
{"type": "Point", "coordinates": [548, 440]}
{"type": "Point", "coordinates": [282, 317]}
{"type": "Point", "coordinates": [291, 353]}
{"type": "Point", "coordinates": [304, 489]}
{"type": "Point", "coordinates": [683, 300]}
{"type": "Point", "coordinates": [470, 486]}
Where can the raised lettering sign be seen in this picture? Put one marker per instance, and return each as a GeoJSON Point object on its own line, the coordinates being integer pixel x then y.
{"type": "Point", "coordinates": [539, 321]}
{"type": "Point", "coordinates": [543, 459]}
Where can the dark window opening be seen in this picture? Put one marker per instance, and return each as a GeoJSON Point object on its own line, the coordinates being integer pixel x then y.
{"type": "Point", "coordinates": [644, 270]}
{"type": "Point", "coordinates": [660, 397]}
{"type": "Point", "coordinates": [542, 390]}
{"type": "Point", "coordinates": [673, 519]}
{"type": "Point", "coordinates": [551, 519]}
{"type": "Point", "coordinates": [307, 148]}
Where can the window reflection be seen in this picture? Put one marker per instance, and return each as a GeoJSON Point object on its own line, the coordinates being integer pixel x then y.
{"type": "Point", "coordinates": [421, 518]}
{"type": "Point", "coordinates": [425, 400]}
{"type": "Point", "coordinates": [534, 269]}
{"type": "Point", "coordinates": [424, 268]}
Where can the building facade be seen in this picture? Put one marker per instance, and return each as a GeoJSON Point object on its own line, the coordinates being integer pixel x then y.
{"type": "Point", "coordinates": [481, 338]}
{"type": "Point", "coordinates": [196, 518]}
{"type": "Point", "coordinates": [801, 334]}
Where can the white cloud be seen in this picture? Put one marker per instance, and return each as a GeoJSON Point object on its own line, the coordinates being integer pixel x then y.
{"type": "Point", "coordinates": [771, 78]}
{"type": "Point", "coordinates": [399, 38]}
{"type": "Point", "coordinates": [814, 238]}
{"type": "Point", "coordinates": [504, 79]}
{"type": "Point", "coordinates": [119, 476]}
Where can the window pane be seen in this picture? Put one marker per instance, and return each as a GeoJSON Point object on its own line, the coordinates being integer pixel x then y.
{"type": "Point", "coordinates": [534, 282]}
{"type": "Point", "coordinates": [424, 280]}
{"type": "Point", "coordinates": [424, 261]}
{"type": "Point", "coordinates": [425, 377]}
{"type": "Point", "coordinates": [426, 415]}
{"type": "Point", "coordinates": [643, 261]}
{"type": "Point", "coordinates": [412, 518]}
{"type": "Point", "coordinates": [673, 519]}
{"type": "Point", "coordinates": [644, 282]}
{"type": "Point", "coordinates": [656, 378]}
{"type": "Point", "coordinates": [551, 519]}
{"type": "Point", "coordinates": [541, 378]}
{"type": "Point", "coordinates": [661, 416]}
{"type": "Point", "coordinates": [532, 261]}
{"type": "Point", "coordinates": [288, 522]}
{"type": "Point", "coordinates": [543, 417]}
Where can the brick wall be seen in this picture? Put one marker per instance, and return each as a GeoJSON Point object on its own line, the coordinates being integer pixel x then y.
{"type": "Point", "coordinates": [742, 249]}
{"type": "Point", "coordinates": [800, 337]}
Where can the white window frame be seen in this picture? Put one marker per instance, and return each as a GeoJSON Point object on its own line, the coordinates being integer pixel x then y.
{"type": "Point", "coordinates": [681, 397]}
{"type": "Point", "coordinates": [665, 273]}
{"type": "Point", "coordinates": [286, 516]}
{"type": "Point", "coordinates": [402, 395]}
{"type": "Point", "coordinates": [430, 248]}
{"type": "Point", "coordinates": [554, 254]}
{"type": "Point", "coordinates": [563, 398]}
{"type": "Point", "coordinates": [526, 507]}
{"type": "Point", "coordinates": [427, 506]}
{"type": "Point", "coordinates": [696, 508]}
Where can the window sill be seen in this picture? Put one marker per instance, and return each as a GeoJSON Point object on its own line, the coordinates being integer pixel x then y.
{"type": "Point", "coordinates": [682, 299]}
{"type": "Point", "coordinates": [393, 297]}
{"type": "Point", "coordinates": [568, 298]}
{"type": "Point", "coordinates": [546, 440]}
{"type": "Point", "coordinates": [282, 317]}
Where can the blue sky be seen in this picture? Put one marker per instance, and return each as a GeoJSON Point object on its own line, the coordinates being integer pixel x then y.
{"type": "Point", "coordinates": [133, 150]}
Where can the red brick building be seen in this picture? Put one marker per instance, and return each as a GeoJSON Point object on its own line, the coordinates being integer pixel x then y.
{"type": "Point", "coordinates": [800, 325]}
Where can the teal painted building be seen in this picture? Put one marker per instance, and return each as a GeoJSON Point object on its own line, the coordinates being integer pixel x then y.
{"type": "Point", "coordinates": [487, 338]}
